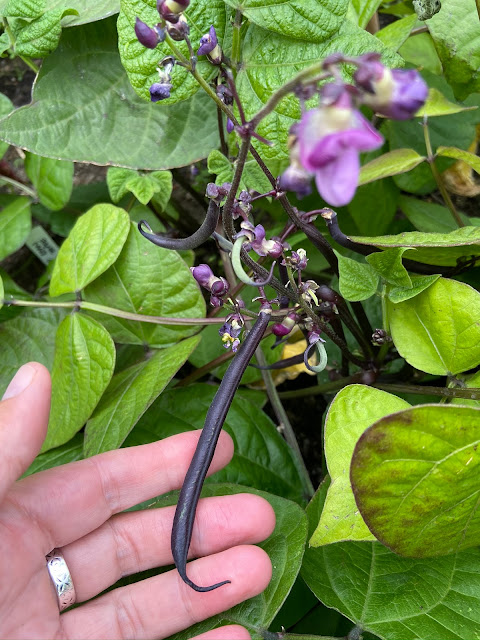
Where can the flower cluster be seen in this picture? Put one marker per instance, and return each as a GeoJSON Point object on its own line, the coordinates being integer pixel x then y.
{"type": "Point", "coordinates": [217, 286]}
{"type": "Point", "coordinates": [173, 22]}
{"type": "Point", "coordinates": [327, 141]}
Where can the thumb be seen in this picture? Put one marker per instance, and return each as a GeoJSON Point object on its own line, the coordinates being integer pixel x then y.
{"type": "Point", "coordinates": [24, 412]}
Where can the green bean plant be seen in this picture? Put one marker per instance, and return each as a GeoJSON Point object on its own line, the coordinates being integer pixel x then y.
{"type": "Point", "coordinates": [285, 240]}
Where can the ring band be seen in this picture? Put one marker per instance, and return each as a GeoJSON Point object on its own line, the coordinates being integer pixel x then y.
{"type": "Point", "coordinates": [61, 578]}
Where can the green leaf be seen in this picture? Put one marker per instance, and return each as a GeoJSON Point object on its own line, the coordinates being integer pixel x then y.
{"type": "Point", "coordinates": [23, 8]}
{"type": "Point", "coordinates": [428, 216]}
{"type": "Point", "coordinates": [395, 34]}
{"type": "Point", "coordinates": [407, 133]}
{"type": "Point", "coordinates": [269, 61]}
{"type": "Point", "coordinates": [389, 265]}
{"type": "Point", "coordinates": [40, 37]}
{"type": "Point", "coordinates": [143, 186]}
{"type": "Point", "coordinates": [352, 411]}
{"type": "Point", "coordinates": [151, 281]}
{"type": "Point", "coordinates": [87, 11]}
{"type": "Point", "coordinates": [6, 106]}
{"type": "Point", "coordinates": [364, 10]}
{"type": "Point", "coordinates": [439, 330]}
{"type": "Point", "coordinates": [395, 598]}
{"type": "Point", "coordinates": [83, 366]}
{"type": "Point", "coordinates": [82, 130]}
{"type": "Point", "coordinates": [390, 164]}
{"type": "Point", "coordinates": [374, 205]}
{"type": "Point", "coordinates": [419, 284]}
{"type": "Point", "coordinates": [53, 180]}
{"type": "Point", "coordinates": [261, 457]}
{"type": "Point", "coordinates": [141, 63]}
{"type": "Point", "coordinates": [253, 178]}
{"type": "Point", "coordinates": [401, 474]}
{"type": "Point", "coordinates": [285, 547]}
{"type": "Point", "coordinates": [91, 248]}
{"type": "Point", "coordinates": [432, 248]}
{"type": "Point", "coordinates": [452, 152]}
{"type": "Point", "coordinates": [15, 225]}
{"type": "Point", "coordinates": [129, 394]}
{"type": "Point", "coordinates": [25, 338]}
{"type": "Point", "coordinates": [456, 33]}
{"type": "Point", "coordinates": [312, 20]}
{"type": "Point", "coordinates": [358, 281]}
{"type": "Point", "coordinates": [69, 452]}
{"type": "Point", "coordinates": [2, 292]}
{"type": "Point", "coordinates": [438, 105]}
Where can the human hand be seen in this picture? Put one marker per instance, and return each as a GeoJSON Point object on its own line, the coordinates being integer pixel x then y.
{"type": "Point", "coordinates": [77, 507]}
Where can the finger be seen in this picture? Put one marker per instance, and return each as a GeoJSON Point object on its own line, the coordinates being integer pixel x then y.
{"type": "Point", "coordinates": [132, 542]}
{"type": "Point", "coordinates": [163, 605]}
{"type": "Point", "coordinates": [23, 421]}
{"type": "Point", "coordinates": [230, 632]}
{"type": "Point", "coordinates": [70, 501]}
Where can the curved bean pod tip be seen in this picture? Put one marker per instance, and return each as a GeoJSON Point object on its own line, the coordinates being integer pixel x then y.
{"type": "Point", "coordinates": [239, 270]}
{"type": "Point", "coordinates": [200, 236]}
{"type": "Point", "coordinates": [322, 357]}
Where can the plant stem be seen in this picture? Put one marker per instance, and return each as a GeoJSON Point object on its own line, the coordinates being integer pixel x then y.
{"type": "Point", "coordinates": [284, 423]}
{"type": "Point", "coordinates": [438, 177]}
{"type": "Point", "coordinates": [227, 217]}
{"type": "Point", "coordinates": [236, 42]}
{"type": "Point", "coordinates": [117, 313]}
{"type": "Point", "coordinates": [19, 186]}
{"type": "Point", "coordinates": [30, 64]}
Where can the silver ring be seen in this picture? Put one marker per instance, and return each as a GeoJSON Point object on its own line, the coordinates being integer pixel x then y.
{"type": "Point", "coordinates": [61, 578]}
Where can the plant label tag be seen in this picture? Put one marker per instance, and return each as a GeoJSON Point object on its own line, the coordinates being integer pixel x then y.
{"type": "Point", "coordinates": [40, 244]}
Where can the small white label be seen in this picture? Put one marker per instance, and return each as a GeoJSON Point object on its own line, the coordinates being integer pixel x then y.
{"type": "Point", "coordinates": [40, 244]}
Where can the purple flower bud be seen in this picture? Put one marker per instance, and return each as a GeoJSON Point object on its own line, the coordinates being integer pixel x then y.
{"type": "Point", "coordinates": [283, 329]}
{"type": "Point", "coordinates": [230, 126]}
{"type": "Point", "coordinates": [203, 275]}
{"type": "Point", "coordinates": [296, 179]}
{"type": "Point", "coordinates": [171, 9]}
{"type": "Point", "coordinates": [225, 94]}
{"type": "Point", "coordinates": [216, 192]}
{"type": "Point", "coordinates": [220, 287]}
{"type": "Point", "coordinates": [257, 241]}
{"type": "Point", "coordinates": [179, 29]}
{"type": "Point", "coordinates": [160, 91]}
{"type": "Point", "coordinates": [146, 35]}
{"type": "Point", "coordinates": [208, 42]}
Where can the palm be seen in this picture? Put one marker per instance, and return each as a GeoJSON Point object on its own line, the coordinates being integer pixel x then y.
{"type": "Point", "coordinates": [79, 506]}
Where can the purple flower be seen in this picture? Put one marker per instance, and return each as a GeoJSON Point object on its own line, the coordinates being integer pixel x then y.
{"type": "Point", "coordinates": [230, 332]}
{"type": "Point", "coordinates": [217, 193]}
{"type": "Point", "coordinates": [257, 241]}
{"type": "Point", "coordinates": [330, 139]}
{"type": "Point", "coordinates": [230, 126]}
{"type": "Point", "coordinates": [394, 93]}
{"type": "Point", "coordinates": [208, 42]}
{"type": "Point", "coordinates": [297, 260]}
{"type": "Point", "coordinates": [160, 91]}
{"type": "Point", "coordinates": [148, 36]}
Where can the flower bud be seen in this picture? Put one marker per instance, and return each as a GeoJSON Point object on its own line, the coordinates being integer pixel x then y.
{"type": "Point", "coordinates": [230, 126]}
{"type": "Point", "coordinates": [160, 91]}
{"type": "Point", "coordinates": [225, 94]}
{"type": "Point", "coordinates": [283, 329]}
{"type": "Point", "coordinates": [148, 36]}
{"type": "Point", "coordinates": [178, 30]}
{"type": "Point", "coordinates": [208, 42]}
{"type": "Point", "coordinates": [380, 337]}
{"type": "Point", "coordinates": [202, 274]}
{"type": "Point", "coordinates": [296, 179]}
{"type": "Point", "coordinates": [170, 10]}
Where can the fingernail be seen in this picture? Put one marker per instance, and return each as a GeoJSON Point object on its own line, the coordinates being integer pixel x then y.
{"type": "Point", "coordinates": [20, 382]}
